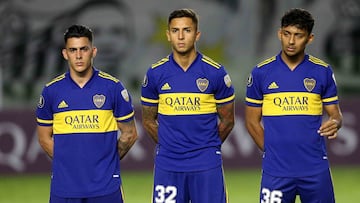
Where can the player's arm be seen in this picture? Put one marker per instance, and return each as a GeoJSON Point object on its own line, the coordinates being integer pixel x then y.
{"type": "Point", "coordinates": [127, 138]}
{"type": "Point", "coordinates": [45, 138]}
{"type": "Point", "coordinates": [254, 126]}
{"type": "Point", "coordinates": [330, 127]}
{"type": "Point", "coordinates": [226, 118]}
{"type": "Point", "coordinates": [149, 121]}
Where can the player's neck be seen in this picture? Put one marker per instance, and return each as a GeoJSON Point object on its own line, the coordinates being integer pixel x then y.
{"type": "Point", "coordinates": [292, 61]}
{"type": "Point", "coordinates": [185, 60]}
{"type": "Point", "coordinates": [81, 78]}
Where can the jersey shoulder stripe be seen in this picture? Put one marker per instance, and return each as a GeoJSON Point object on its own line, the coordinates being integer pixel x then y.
{"type": "Point", "coordinates": [107, 76]}
{"type": "Point", "coordinates": [210, 62]}
{"type": "Point", "coordinates": [160, 62]}
{"type": "Point", "coordinates": [57, 79]}
{"type": "Point", "coordinates": [266, 61]}
{"type": "Point", "coordinates": [318, 61]}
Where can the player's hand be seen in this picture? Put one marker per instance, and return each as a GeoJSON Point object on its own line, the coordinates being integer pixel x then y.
{"type": "Point", "coordinates": [329, 129]}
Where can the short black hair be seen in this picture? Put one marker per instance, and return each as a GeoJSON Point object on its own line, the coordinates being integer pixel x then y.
{"type": "Point", "coordinates": [78, 31]}
{"type": "Point", "coordinates": [298, 17]}
{"type": "Point", "coordinates": [184, 12]}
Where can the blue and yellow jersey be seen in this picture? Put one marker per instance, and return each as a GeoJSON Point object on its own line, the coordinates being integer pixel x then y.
{"type": "Point", "coordinates": [187, 115]}
{"type": "Point", "coordinates": [84, 121]}
{"type": "Point", "coordinates": [292, 108]}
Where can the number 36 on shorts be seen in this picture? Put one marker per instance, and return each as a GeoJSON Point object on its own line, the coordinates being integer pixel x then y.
{"type": "Point", "coordinates": [269, 196]}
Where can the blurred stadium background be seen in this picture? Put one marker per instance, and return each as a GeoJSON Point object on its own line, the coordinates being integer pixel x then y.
{"type": "Point", "coordinates": [130, 35]}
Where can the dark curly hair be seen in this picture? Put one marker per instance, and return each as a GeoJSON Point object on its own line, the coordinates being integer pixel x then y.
{"type": "Point", "coordinates": [298, 17]}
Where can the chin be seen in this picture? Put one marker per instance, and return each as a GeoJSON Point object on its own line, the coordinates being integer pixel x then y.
{"type": "Point", "coordinates": [291, 54]}
{"type": "Point", "coordinates": [182, 51]}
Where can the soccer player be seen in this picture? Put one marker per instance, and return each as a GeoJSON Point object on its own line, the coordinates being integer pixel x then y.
{"type": "Point", "coordinates": [79, 114]}
{"type": "Point", "coordinates": [285, 98]}
{"type": "Point", "coordinates": [188, 110]}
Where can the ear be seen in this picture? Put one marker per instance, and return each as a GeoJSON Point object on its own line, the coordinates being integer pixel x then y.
{"type": "Point", "coordinates": [311, 38]}
{"type": "Point", "coordinates": [64, 53]}
{"type": "Point", "coordinates": [279, 33]}
{"type": "Point", "coordinates": [168, 35]}
{"type": "Point", "coordinates": [198, 34]}
{"type": "Point", "coordinates": [94, 51]}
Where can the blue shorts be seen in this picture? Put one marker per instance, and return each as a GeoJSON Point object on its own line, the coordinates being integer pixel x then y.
{"type": "Point", "coordinates": [181, 187]}
{"type": "Point", "coordinates": [311, 189]}
{"type": "Point", "coordinates": [115, 197]}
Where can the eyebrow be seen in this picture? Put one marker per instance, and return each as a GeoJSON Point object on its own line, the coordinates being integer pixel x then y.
{"type": "Point", "coordinates": [297, 32]}
{"type": "Point", "coordinates": [80, 48]}
{"type": "Point", "coordinates": [183, 28]}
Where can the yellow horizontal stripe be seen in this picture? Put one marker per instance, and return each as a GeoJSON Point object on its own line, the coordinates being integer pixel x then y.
{"type": "Point", "coordinates": [44, 121]}
{"type": "Point", "coordinates": [149, 100]}
{"type": "Point", "coordinates": [125, 117]}
{"type": "Point", "coordinates": [220, 101]}
{"type": "Point", "coordinates": [253, 100]}
{"type": "Point", "coordinates": [292, 103]}
{"type": "Point", "coordinates": [186, 104]}
{"type": "Point", "coordinates": [84, 121]}
{"type": "Point", "coordinates": [331, 99]}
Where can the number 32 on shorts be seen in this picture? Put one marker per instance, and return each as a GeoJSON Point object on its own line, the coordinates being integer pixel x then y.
{"type": "Point", "coordinates": [165, 194]}
{"type": "Point", "coordinates": [269, 196]}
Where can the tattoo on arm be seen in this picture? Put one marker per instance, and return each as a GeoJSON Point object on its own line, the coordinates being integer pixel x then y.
{"type": "Point", "coordinates": [227, 120]}
{"type": "Point", "coordinates": [127, 138]}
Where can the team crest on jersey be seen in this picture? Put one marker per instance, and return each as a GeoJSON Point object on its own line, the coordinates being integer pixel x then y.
{"type": "Point", "coordinates": [202, 84]}
{"type": "Point", "coordinates": [41, 102]}
{"type": "Point", "coordinates": [99, 100]}
{"type": "Point", "coordinates": [125, 95]}
{"type": "Point", "coordinates": [227, 80]}
{"type": "Point", "coordinates": [309, 84]}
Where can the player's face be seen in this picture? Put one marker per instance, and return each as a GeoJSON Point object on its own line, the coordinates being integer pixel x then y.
{"type": "Point", "coordinates": [294, 40]}
{"type": "Point", "coordinates": [182, 35]}
{"type": "Point", "coordinates": [79, 53]}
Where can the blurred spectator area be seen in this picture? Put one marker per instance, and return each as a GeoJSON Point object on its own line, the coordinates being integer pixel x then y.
{"type": "Point", "coordinates": [130, 36]}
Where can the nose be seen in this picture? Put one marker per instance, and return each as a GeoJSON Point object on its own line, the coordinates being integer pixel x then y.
{"type": "Point", "coordinates": [78, 54]}
{"type": "Point", "coordinates": [292, 39]}
{"type": "Point", "coordinates": [181, 35]}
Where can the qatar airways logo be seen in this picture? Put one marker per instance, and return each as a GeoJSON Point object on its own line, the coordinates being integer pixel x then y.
{"type": "Point", "coordinates": [183, 103]}
{"type": "Point", "coordinates": [83, 121]}
{"type": "Point", "coordinates": [292, 103]}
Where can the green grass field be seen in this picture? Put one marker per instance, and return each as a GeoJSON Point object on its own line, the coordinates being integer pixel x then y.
{"type": "Point", "coordinates": [242, 186]}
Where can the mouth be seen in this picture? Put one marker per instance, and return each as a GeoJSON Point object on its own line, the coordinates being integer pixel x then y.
{"type": "Point", "coordinates": [291, 49]}
{"type": "Point", "coordinates": [180, 45]}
